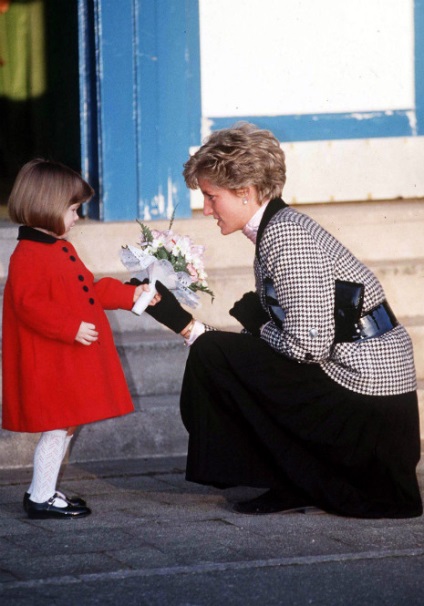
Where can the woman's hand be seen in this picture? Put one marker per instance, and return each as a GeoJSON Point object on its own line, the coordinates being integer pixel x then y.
{"type": "Point", "coordinates": [87, 334]}
{"type": "Point", "coordinates": [250, 313]}
{"type": "Point", "coordinates": [166, 310]}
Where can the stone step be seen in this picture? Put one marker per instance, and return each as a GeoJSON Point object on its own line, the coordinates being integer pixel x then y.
{"type": "Point", "coordinates": [420, 392]}
{"type": "Point", "coordinates": [154, 364]}
{"type": "Point", "coordinates": [387, 236]}
{"type": "Point", "coordinates": [415, 327]}
{"type": "Point", "coordinates": [144, 350]}
{"type": "Point", "coordinates": [374, 231]}
{"type": "Point", "coordinates": [154, 361]}
{"type": "Point", "coordinates": [153, 357]}
{"type": "Point", "coordinates": [403, 283]}
{"type": "Point", "coordinates": [154, 430]}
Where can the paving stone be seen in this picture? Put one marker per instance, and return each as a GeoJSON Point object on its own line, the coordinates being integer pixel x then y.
{"type": "Point", "coordinates": [155, 539]}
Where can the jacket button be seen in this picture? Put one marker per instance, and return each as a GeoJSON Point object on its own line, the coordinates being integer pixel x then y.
{"type": "Point", "coordinates": [81, 278]}
{"type": "Point", "coordinates": [65, 248]}
{"type": "Point", "coordinates": [91, 301]}
{"type": "Point", "coordinates": [72, 258]}
{"type": "Point", "coordinates": [309, 356]}
{"type": "Point", "coordinates": [85, 288]}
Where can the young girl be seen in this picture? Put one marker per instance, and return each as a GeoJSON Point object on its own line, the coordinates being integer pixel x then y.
{"type": "Point", "coordinates": [60, 365]}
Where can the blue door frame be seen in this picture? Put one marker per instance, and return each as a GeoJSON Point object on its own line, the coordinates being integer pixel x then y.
{"type": "Point", "coordinates": [140, 104]}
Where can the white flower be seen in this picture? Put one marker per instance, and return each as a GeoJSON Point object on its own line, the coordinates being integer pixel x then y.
{"type": "Point", "coordinates": [181, 246]}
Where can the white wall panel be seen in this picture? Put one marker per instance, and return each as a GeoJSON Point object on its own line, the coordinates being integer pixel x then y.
{"type": "Point", "coordinates": [306, 56]}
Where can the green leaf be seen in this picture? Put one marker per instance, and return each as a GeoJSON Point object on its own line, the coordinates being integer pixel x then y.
{"type": "Point", "coordinates": [162, 253]}
{"type": "Point", "coordinates": [171, 222]}
{"type": "Point", "coordinates": [146, 232]}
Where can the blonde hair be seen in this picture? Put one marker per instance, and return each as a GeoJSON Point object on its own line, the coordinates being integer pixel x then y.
{"type": "Point", "coordinates": [42, 193]}
{"type": "Point", "coordinates": [237, 157]}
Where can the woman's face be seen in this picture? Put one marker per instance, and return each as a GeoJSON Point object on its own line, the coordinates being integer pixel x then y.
{"type": "Point", "coordinates": [226, 206]}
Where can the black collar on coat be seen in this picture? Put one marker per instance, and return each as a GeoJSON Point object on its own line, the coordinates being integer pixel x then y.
{"type": "Point", "coordinates": [273, 207]}
{"type": "Point", "coordinates": [35, 235]}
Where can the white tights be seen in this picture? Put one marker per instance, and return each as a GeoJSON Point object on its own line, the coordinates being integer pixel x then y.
{"type": "Point", "coordinates": [48, 456]}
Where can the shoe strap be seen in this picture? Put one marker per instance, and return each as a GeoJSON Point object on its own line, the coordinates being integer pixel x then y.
{"type": "Point", "coordinates": [62, 497]}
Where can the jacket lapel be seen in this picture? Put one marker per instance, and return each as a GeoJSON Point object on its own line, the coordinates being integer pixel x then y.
{"type": "Point", "coordinates": [273, 207]}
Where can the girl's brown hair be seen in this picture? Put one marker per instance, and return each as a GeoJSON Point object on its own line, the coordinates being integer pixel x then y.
{"type": "Point", "coordinates": [42, 193]}
{"type": "Point", "coordinates": [239, 156]}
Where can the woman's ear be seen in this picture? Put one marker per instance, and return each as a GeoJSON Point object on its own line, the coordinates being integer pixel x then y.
{"type": "Point", "coordinates": [248, 195]}
{"type": "Point", "coordinates": [243, 192]}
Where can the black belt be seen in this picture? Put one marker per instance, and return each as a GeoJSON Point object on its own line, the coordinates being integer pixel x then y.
{"type": "Point", "coordinates": [376, 322]}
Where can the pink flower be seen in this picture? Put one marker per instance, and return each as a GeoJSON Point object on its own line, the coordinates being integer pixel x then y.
{"type": "Point", "coordinates": [192, 272]}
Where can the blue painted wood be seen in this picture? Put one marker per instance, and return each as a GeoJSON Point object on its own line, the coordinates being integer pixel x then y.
{"type": "Point", "coordinates": [147, 57]}
{"type": "Point", "coordinates": [319, 127]}
{"type": "Point", "coordinates": [192, 72]}
{"type": "Point", "coordinates": [419, 65]}
{"type": "Point", "coordinates": [169, 111]}
{"type": "Point", "coordinates": [140, 104]}
{"type": "Point", "coordinates": [114, 29]}
{"type": "Point", "coordinates": [88, 113]}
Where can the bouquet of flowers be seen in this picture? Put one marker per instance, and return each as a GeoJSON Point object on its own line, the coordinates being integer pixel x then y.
{"type": "Point", "coordinates": [170, 258]}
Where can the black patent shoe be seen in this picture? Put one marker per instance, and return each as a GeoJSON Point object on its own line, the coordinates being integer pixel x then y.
{"type": "Point", "coordinates": [272, 502]}
{"type": "Point", "coordinates": [72, 500]}
{"type": "Point", "coordinates": [41, 511]}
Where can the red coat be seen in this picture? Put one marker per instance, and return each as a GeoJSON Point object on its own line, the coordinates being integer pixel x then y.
{"type": "Point", "coordinates": [50, 381]}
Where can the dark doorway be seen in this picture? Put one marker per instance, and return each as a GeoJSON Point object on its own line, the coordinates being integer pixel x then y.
{"type": "Point", "coordinates": [39, 85]}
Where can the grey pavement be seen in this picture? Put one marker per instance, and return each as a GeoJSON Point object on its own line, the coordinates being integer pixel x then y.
{"type": "Point", "coordinates": [154, 539]}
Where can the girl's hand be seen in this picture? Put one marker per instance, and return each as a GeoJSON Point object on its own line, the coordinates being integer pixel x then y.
{"type": "Point", "coordinates": [87, 334]}
{"type": "Point", "coordinates": [139, 291]}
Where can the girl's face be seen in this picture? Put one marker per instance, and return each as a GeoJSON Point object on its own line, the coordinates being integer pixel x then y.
{"type": "Point", "coordinates": [70, 218]}
{"type": "Point", "coordinates": [226, 205]}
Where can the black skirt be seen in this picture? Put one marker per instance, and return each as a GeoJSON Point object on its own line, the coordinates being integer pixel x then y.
{"type": "Point", "coordinates": [256, 418]}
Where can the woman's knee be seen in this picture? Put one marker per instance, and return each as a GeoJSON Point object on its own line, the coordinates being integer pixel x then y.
{"type": "Point", "coordinates": [212, 345]}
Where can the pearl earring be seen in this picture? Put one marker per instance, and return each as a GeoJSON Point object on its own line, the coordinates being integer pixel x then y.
{"type": "Point", "coordinates": [245, 201]}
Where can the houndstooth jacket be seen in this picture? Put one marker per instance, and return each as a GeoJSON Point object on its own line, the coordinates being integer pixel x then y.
{"type": "Point", "coordinates": [303, 261]}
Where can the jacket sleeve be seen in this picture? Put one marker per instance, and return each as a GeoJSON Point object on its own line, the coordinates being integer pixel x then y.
{"type": "Point", "coordinates": [304, 286]}
{"type": "Point", "coordinates": [112, 294]}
